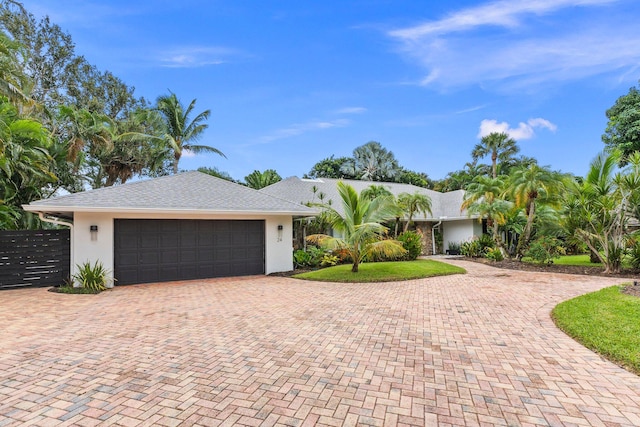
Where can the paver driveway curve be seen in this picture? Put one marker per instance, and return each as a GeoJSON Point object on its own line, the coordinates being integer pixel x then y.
{"type": "Point", "coordinates": [474, 349]}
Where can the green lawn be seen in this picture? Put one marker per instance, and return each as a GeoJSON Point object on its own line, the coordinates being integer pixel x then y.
{"type": "Point", "coordinates": [607, 322]}
{"type": "Point", "coordinates": [382, 271]}
{"type": "Point", "coordinates": [579, 260]}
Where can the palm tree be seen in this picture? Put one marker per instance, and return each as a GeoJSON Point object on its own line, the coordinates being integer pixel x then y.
{"type": "Point", "coordinates": [528, 185]}
{"type": "Point", "coordinates": [373, 191]}
{"type": "Point", "coordinates": [258, 180]}
{"type": "Point", "coordinates": [483, 197]}
{"type": "Point", "coordinates": [499, 146]}
{"type": "Point", "coordinates": [360, 226]}
{"type": "Point", "coordinates": [80, 127]}
{"type": "Point", "coordinates": [597, 209]}
{"type": "Point", "coordinates": [412, 204]}
{"type": "Point", "coordinates": [371, 162]}
{"type": "Point", "coordinates": [180, 130]}
{"type": "Point", "coordinates": [25, 165]}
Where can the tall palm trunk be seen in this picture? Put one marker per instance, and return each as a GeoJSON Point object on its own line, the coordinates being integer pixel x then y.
{"type": "Point", "coordinates": [494, 163]}
{"type": "Point", "coordinates": [176, 160]}
{"type": "Point", "coordinates": [526, 233]}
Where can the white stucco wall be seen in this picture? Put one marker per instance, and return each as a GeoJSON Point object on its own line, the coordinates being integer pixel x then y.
{"type": "Point", "coordinates": [278, 245]}
{"type": "Point", "coordinates": [458, 231]}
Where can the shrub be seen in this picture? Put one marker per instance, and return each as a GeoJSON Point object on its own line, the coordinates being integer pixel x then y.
{"type": "Point", "coordinates": [471, 249]}
{"type": "Point", "coordinates": [311, 257]}
{"type": "Point", "coordinates": [494, 254]}
{"type": "Point", "coordinates": [412, 242]}
{"type": "Point", "coordinates": [545, 249]}
{"type": "Point", "coordinates": [478, 247]}
{"type": "Point", "coordinates": [329, 260]}
{"type": "Point", "coordinates": [344, 257]}
{"type": "Point", "coordinates": [634, 254]}
{"type": "Point", "coordinates": [93, 277]}
{"type": "Point", "coordinates": [486, 241]}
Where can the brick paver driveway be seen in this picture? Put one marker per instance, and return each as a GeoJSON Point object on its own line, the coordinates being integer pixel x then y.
{"type": "Point", "coordinates": [475, 349]}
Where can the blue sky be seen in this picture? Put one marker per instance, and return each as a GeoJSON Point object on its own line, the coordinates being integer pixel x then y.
{"type": "Point", "coordinates": [289, 83]}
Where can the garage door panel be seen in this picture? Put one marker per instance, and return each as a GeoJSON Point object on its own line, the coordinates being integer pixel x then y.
{"type": "Point", "coordinates": [169, 226]}
{"type": "Point", "coordinates": [222, 239]}
{"type": "Point", "coordinates": [188, 256]}
{"type": "Point", "coordinates": [129, 260]}
{"type": "Point", "coordinates": [169, 240]}
{"type": "Point", "coordinates": [222, 255]}
{"type": "Point", "coordinates": [170, 255]}
{"type": "Point", "coordinates": [148, 240]}
{"type": "Point", "coordinates": [162, 250]}
{"type": "Point", "coordinates": [206, 254]}
{"type": "Point", "coordinates": [169, 272]}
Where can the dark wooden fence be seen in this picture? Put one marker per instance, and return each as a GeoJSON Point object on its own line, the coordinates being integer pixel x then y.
{"type": "Point", "coordinates": [34, 258]}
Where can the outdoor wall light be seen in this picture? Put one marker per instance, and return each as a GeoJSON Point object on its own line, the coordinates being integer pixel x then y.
{"type": "Point", "coordinates": [280, 228]}
{"type": "Point", "coordinates": [94, 232]}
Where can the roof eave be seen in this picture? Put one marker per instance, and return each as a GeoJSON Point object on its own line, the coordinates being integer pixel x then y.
{"type": "Point", "coordinates": [48, 208]}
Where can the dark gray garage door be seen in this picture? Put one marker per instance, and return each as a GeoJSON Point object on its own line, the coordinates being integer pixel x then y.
{"type": "Point", "coordinates": [164, 250]}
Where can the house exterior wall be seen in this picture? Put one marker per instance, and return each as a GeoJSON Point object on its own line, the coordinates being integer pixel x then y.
{"type": "Point", "coordinates": [459, 231]}
{"type": "Point", "coordinates": [278, 244]}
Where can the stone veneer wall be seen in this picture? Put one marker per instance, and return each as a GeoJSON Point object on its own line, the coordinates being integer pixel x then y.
{"type": "Point", "coordinates": [424, 229]}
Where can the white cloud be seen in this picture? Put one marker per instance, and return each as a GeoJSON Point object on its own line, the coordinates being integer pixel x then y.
{"type": "Point", "coordinates": [351, 110]}
{"type": "Point", "coordinates": [471, 109]}
{"type": "Point", "coordinates": [508, 43]}
{"type": "Point", "coordinates": [506, 13]}
{"type": "Point", "coordinates": [523, 131]}
{"type": "Point", "coordinates": [195, 56]}
{"type": "Point", "coordinates": [301, 128]}
{"type": "Point", "coordinates": [188, 153]}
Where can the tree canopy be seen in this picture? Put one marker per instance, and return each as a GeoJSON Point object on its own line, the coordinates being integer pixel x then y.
{"type": "Point", "coordinates": [623, 127]}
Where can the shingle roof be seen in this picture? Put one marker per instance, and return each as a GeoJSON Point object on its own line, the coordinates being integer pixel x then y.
{"type": "Point", "coordinates": [444, 206]}
{"type": "Point", "coordinates": [188, 191]}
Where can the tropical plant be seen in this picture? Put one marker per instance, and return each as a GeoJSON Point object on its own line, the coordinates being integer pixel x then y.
{"type": "Point", "coordinates": [373, 191]}
{"type": "Point", "coordinates": [412, 204]}
{"type": "Point", "coordinates": [545, 249]}
{"type": "Point", "coordinates": [528, 186]}
{"type": "Point", "coordinates": [94, 277]}
{"type": "Point", "coordinates": [311, 256]}
{"type": "Point", "coordinates": [497, 145]}
{"type": "Point", "coordinates": [329, 260]}
{"type": "Point", "coordinates": [25, 165]}
{"type": "Point", "coordinates": [483, 197]}
{"type": "Point", "coordinates": [360, 226]}
{"type": "Point", "coordinates": [372, 162]}
{"type": "Point", "coordinates": [412, 242]}
{"type": "Point", "coordinates": [478, 246]}
{"type": "Point", "coordinates": [181, 131]}
{"type": "Point", "coordinates": [471, 249]}
{"type": "Point", "coordinates": [258, 180]}
{"type": "Point", "coordinates": [633, 253]}
{"type": "Point", "coordinates": [597, 209]}
{"type": "Point", "coordinates": [494, 254]}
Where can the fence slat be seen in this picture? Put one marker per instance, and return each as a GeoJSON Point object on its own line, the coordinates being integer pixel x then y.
{"type": "Point", "coordinates": [34, 257]}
